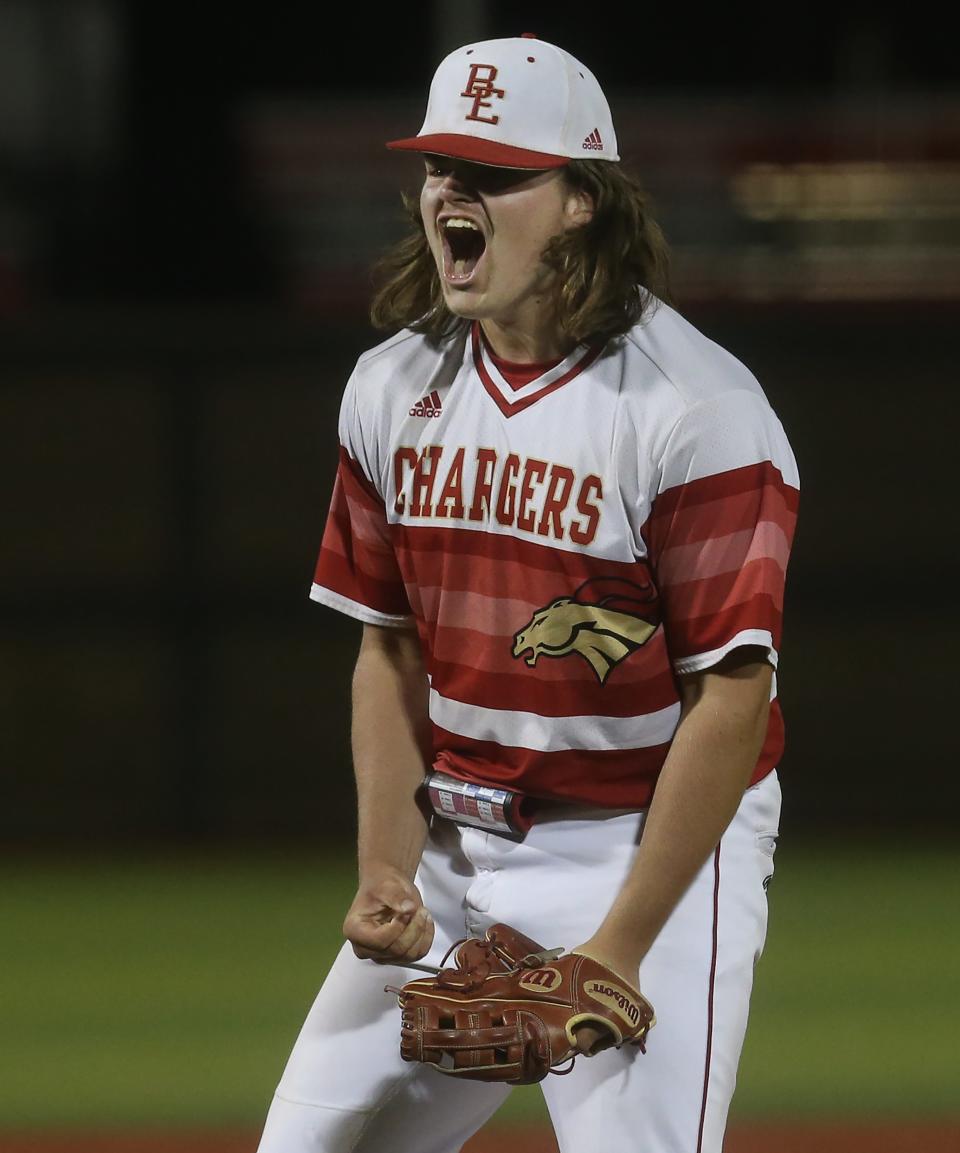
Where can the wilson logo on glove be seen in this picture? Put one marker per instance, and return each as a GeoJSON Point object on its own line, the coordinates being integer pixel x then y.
{"type": "Point", "coordinates": [618, 1000]}
{"type": "Point", "coordinates": [538, 979]}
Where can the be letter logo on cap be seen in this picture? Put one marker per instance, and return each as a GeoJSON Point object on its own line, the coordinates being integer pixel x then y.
{"type": "Point", "coordinates": [479, 88]}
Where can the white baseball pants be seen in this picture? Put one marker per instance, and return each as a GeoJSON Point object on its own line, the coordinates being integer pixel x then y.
{"type": "Point", "coordinates": [345, 1087]}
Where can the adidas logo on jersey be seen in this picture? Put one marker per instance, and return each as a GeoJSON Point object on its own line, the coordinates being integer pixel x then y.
{"type": "Point", "coordinates": [593, 141]}
{"type": "Point", "coordinates": [428, 406]}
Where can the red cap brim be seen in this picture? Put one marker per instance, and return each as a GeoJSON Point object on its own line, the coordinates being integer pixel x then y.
{"type": "Point", "coordinates": [479, 151]}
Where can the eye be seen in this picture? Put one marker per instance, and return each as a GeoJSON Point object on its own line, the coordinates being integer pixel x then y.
{"type": "Point", "coordinates": [503, 179]}
{"type": "Point", "coordinates": [437, 165]}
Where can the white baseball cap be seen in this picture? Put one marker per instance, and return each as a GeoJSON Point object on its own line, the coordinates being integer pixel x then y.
{"type": "Point", "coordinates": [515, 103]}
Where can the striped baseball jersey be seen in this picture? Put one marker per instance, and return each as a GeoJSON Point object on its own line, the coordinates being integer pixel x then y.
{"type": "Point", "coordinates": [565, 545]}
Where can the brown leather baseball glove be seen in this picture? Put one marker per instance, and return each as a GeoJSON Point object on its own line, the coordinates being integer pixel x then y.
{"type": "Point", "coordinates": [508, 1009]}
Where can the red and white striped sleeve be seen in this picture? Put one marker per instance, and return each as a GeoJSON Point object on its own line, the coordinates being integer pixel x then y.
{"type": "Point", "coordinates": [357, 571]}
{"type": "Point", "coordinates": [721, 528]}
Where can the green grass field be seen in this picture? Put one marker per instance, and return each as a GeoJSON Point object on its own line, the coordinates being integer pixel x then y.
{"type": "Point", "coordinates": [167, 991]}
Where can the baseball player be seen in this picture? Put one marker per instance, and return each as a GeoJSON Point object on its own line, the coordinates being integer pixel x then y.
{"type": "Point", "coordinates": [563, 516]}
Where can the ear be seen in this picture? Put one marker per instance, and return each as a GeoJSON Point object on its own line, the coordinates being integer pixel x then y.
{"type": "Point", "coordinates": [580, 207]}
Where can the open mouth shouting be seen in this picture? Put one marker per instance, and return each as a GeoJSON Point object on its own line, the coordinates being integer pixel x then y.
{"type": "Point", "coordinates": [464, 244]}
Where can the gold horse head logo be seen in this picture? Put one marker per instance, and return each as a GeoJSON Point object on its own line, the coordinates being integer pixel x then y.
{"type": "Point", "coordinates": [601, 622]}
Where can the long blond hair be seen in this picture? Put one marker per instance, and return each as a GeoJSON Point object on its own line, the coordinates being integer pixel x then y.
{"type": "Point", "coordinates": [608, 270]}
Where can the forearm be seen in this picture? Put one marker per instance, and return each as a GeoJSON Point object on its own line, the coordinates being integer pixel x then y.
{"type": "Point", "coordinates": [391, 749]}
{"type": "Point", "coordinates": [709, 766]}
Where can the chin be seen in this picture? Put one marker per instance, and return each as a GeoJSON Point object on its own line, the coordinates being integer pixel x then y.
{"type": "Point", "coordinates": [464, 303]}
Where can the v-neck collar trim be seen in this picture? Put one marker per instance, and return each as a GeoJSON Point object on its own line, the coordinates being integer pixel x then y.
{"type": "Point", "coordinates": [510, 401]}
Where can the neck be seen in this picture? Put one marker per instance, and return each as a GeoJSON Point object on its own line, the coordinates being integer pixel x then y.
{"type": "Point", "coordinates": [525, 346]}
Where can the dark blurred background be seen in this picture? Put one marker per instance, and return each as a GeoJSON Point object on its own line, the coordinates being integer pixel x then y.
{"type": "Point", "coordinates": [191, 197]}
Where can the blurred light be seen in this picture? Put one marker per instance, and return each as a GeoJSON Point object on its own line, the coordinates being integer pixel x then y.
{"type": "Point", "coordinates": [848, 191]}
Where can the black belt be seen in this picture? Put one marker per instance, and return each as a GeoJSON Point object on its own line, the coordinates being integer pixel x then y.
{"type": "Point", "coordinates": [500, 810]}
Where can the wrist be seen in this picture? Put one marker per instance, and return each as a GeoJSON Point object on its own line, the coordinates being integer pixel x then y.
{"type": "Point", "coordinates": [623, 960]}
{"type": "Point", "coordinates": [396, 849]}
{"type": "Point", "coordinates": [372, 870]}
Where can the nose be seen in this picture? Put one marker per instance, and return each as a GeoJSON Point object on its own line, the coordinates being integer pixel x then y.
{"type": "Point", "coordinates": [457, 184]}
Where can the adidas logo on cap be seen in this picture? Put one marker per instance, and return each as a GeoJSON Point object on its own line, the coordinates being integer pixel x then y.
{"type": "Point", "coordinates": [593, 141]}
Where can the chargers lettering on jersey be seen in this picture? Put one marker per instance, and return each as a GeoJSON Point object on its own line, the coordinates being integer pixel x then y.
{"type": "Point", "coordinates": [535, 496]}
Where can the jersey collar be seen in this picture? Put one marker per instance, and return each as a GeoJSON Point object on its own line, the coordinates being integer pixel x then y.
{"type": "Point", "coordinates": [511, 401]}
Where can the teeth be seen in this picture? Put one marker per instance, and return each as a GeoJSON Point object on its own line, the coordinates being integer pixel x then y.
{"type": "Point", "coordinates": [459, 268]}
{"type": "Point", "coordinates": [459, 222]}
